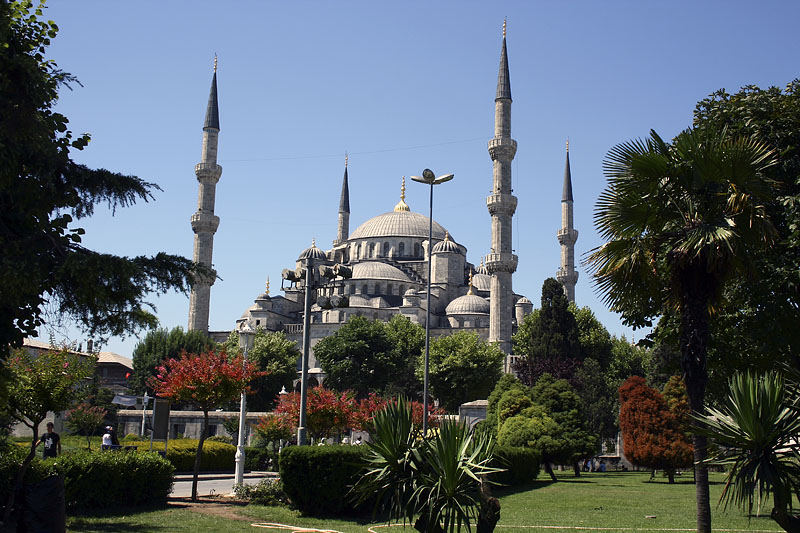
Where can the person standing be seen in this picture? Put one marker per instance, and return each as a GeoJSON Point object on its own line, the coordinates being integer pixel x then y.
{"type": "Point", "coordinates": [52, 442]}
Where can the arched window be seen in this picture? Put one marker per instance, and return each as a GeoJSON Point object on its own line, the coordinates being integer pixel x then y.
{"type": "Point", "coordinates": [417, 250]}
{"type": "Point", "coordinates": [401, 249]}
{"type": "Point", "coordinates": [385, 249]}
{"type": "Point", "coordinates": [364, 290]}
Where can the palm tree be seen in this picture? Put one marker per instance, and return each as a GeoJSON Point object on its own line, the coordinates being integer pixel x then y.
{"type": "Point", "coordinates": [756, 429]}
{"type": "Point", "coordinates": [679, 219]}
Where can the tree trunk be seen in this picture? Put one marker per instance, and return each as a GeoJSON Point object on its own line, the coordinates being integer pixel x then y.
{"type": "Point", "coordinates": [489, 513]}
{"type": "Point", "coordinates": [779, 514]}
{"type": "Point", "coordinates": [576, 467]}
{"type": "Point", "coordinates": [199, 454]}
{"type": "Point", "coordinates": [671, 476]}
{"type": "Point", "coordinates": [549, 469]}
{"type": "Point", "coordinates": [21, 473]}
{"type": "Point", "coordinates": [697, 288]}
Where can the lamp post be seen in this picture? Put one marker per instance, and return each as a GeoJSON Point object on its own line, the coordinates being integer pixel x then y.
{"type": "Point", "coordinates": [301, 425]}
{"type": "Point", "coordinates": [246, 337]}
{"type": "Point", "coordinates": [429, 178]}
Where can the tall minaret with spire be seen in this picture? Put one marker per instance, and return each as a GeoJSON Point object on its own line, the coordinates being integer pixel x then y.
{"type": "Point", "coordinates": [501, 262]}
{"type": "Point", "coordinates": [567, 235]}
{"type": "Point", "coordinates": [344, 210]}
{"type": "Point", "coordinates": [204, 221]}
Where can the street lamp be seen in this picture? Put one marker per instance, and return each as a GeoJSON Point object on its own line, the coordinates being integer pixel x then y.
{"type": "Point", "coordinates": [429, 178]}
{"type": "Point", "coordinates": [246, 337]}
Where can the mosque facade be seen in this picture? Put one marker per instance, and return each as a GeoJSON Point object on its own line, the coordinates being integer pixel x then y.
{"type": "Point", "coordinates": [388, 257]}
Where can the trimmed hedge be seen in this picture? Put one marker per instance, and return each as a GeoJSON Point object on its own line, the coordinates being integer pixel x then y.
{"type": "Point", "coordinates": [180, 452]}
{"type": "Point", "coordinates": [317, 479]}
{"type": "Point", "coordinates": [95, 480]}
{"type": "Point", "coordinates": [521, 465]}
{"type": "Point", "coordinates": [258, 458]}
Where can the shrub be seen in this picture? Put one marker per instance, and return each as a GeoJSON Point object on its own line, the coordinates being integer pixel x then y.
{"type": "Point", "coordinates": [260, 458]}
{"type": "Point", "coordinates": [317, 479]}
{"type": "Point", "coordinates": [220, 438]}
{"type": "Point", "coordinates": [106, 479]}
{"type": "Point", "coordinates": [267, 492]}
{"type": "Point", "coordinates": [521, 465]}
{"type": "Point", "coordinates": [181, 452]}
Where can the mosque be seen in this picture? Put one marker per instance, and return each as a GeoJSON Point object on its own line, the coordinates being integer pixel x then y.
{"type": "Point", "coordinates": [388, 256]}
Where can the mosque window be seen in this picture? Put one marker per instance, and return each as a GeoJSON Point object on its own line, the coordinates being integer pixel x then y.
{"type": "Point", "coordinates": [401, 249]}
{"type": "Point", "coordinates": [364, 289]}
{"type": "Point", "coordinates": [417, 250]}
{"type": "Point", "coordinates": [386, 249]}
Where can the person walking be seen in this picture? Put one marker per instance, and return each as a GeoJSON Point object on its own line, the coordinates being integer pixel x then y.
{"type": "Point", "coordinates": [52, 442]}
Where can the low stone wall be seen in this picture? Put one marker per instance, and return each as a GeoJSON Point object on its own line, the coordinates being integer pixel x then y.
{"type": "Point", "coordinates": [187, 424]}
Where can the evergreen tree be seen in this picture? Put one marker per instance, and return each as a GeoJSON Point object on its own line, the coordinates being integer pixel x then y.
{"type": "Point", "coordinates": [159, 345]}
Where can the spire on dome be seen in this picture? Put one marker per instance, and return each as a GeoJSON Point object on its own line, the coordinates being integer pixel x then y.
{"type": "Point", "coordinates": [267, 291]}
{"type": "Point", "coordinates": [503, 77]}
{"type": "Point", "coordinates": [344, 200]}
{"type": "Point", "coordinates": [566, 193]}
{"type": "Point", "coordinates": [470, 283]}
{"type": "Point", "coordinates": [212, 111]}
{"type": "Point", "coordinates": [402, 205]}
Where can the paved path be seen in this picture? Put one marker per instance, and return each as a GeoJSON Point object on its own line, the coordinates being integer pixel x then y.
{"type": "Point", "coordinates": [214, 484]}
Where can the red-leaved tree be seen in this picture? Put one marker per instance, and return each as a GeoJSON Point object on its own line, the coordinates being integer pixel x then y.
{"type": "Point", "coordinates": [85, 418]}
{"type": "Point", "coordinates": [651, 433]}
{"type": "Point", "coordinates": [206, 380]}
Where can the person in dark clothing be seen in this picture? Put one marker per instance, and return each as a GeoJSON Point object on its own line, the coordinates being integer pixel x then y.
{"type": "Point", "coordinates": [52, 442]}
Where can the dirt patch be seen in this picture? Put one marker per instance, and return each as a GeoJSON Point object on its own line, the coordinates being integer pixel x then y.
{"type": "Point", "coordinates": [215, 506]}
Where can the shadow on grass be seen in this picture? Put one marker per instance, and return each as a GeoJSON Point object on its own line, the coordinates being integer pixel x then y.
{"type": "Point", "coordinates": [82, 524]}
{"type": "Point", "coordinates": [115, 511]}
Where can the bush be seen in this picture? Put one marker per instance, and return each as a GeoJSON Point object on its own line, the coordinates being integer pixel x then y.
{"type": "Point", "coordinates": [219, 438]}
{"type": "Point", "coordinates": [181, 452]}
{"type": "Point", "coordinates": [260, 458]}
{"type": "Point", "coordinates": [267, 492]}
{"type": "Point", "coordinates": [107, 479]}
{"type": "Point", "coordinates": [317, 479]}
{"type": "Point", "coordinates": [521, 465]}
{"type": "Point", "coordinates": [11, 457]}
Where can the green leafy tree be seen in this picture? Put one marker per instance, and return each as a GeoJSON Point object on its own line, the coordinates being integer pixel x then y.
{"type": "Point", "coordinates": [85, 419]}
{"type": "Point", "coordinates": [757, 429]}
{"type": "Point", "coordinates": [548, 337]}
{"type": "Point", "coordinates": [158, 346]}
{"type": "Point", "coordinates": [274, 354]}
{"type": "Point", "coordinates": [463, 367]}
{"type": "Point", "coordinates": [357, 357]}
{"type": "Point", "coordinates": [593, 338]}
{"type": "Point", "coordinates": [597, 400]}
{"type": "Point", "coordinates": [679, 219]}
{"type": "Point", "coordinates": [43, 192]}
{"type": "Point", "coordinates": [408, 341]}
{"type": "Point", "coordinates": [48, 382]}
{"type": "Point", "coordinates": [535, 428]}
{"type": "Point", "coordinates": [504, 384]}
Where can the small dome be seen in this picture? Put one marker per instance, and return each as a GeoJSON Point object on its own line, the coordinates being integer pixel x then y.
{"type": "Point", "coordinates": [411, 292]}
{"type": "Point", "coordinates": [446, 246]}
{"type": "Point", "coordinates": [469, 304]}
{"type": "Point", "coordinates": [482, 282]}
{"type": "Point", "coordinates": [524, 301]}
{"type": "Point", "coordinates": [312, 253]}
{"type": "Point", "coordinates": [377, 270]}
{"type": "Point", "coordinates": [482, 269]}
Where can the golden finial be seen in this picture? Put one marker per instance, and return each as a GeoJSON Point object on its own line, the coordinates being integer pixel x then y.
{"type": "Point", "coordinates": [402, 205]}
{"type": "Point", "coordinates": [504, 27]}
{"type": "Point", "coordinates": [470, 283]}
{"type": "Point", "coordinates": [567, 144]}
{"type": "Point", "coordinates": [267, 285]}
{"type": "Point", "coordinates": [215, 63]}
{"type": "Point", "coordinates": [446, 235]}
{"type": "Point", "coordinates": [346, 158]}
{"type": "Point", "coordinates": [313, 243]}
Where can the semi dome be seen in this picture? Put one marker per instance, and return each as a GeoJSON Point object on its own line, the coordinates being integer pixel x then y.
{"type": "Point", "coordinates": [376, 270]}
{"type": "Point", "coordinates": [312, 253]}
{"type": "Point", "coordinates": [482, 282]}
{"type": "Point", "coordinates": [398, 224]}
{"type": "Point", "coordinates": [469, 304]}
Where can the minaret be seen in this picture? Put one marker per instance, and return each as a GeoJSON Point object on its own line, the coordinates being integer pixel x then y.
{"type": "Point", "coordinates": [567, 235]}
{"type": "Point", "coordinates": [344, 210]}
{"type": "Point", "coordinates": [501, 262]}
{"type": "Point", "coordinates": [204, 222]}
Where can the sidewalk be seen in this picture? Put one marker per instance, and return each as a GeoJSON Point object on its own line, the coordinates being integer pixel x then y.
{"type": "Point", "coordinates": [208, 476]}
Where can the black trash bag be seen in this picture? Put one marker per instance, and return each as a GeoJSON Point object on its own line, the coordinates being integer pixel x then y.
{"type": "Point", "coordinates": [45, 507]}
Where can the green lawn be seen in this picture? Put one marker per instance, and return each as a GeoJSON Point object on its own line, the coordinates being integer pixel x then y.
{"type": "Point", "coordinates": [615, 501]}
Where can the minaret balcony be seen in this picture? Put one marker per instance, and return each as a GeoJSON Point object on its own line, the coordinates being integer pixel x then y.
{"type": "Point", "coordinates": [565, 276]}
{"type": "Point", "coordinates": [502, 148]}
{"type": "Point", "coordinates": [501, 204]}
{"type": "Point", "coordinates": [204, 222]}
{"type": "Point", "coordinates": [501, 263]}
{"type": "Point", "coordinates": [567, 236]}
{"type": "Point", "coordinates": [208, 172]}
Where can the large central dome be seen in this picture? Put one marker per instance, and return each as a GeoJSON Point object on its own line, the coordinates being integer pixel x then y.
{"type": "Point", "coordinates": [398, 224]}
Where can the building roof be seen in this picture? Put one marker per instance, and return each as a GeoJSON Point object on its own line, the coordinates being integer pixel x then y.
{"type": "Point", "coordinates": [377, 270]}
{"type": "Point", "coordinates": [212, 111]}
{"type": "Point", "coordinates": [398, 224]}
{"type": "Point", "coordinates": [446, 246]}
{"type": "Point", "coordinates": [469, 304]}
{"type": "Point", "coordinates": [111, 357]}
{"type": "Point", "coordinates": [312, 252]}
{"type": "Point", "coordinates": [503, 77]}
{"type": "Point", "coordinates": [566, 192]}
{"type": "Point", "coordinates": [344, 199]}
{"type": "Point", "coordinates": [482, 282]}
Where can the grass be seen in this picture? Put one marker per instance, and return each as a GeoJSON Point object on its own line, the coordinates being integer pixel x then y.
{"type": "Point", "coordinates": [618, 501]}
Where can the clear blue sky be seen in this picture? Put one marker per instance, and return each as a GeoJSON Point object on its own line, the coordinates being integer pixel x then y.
{"type": "Point", "coordinates": [401, 86]}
